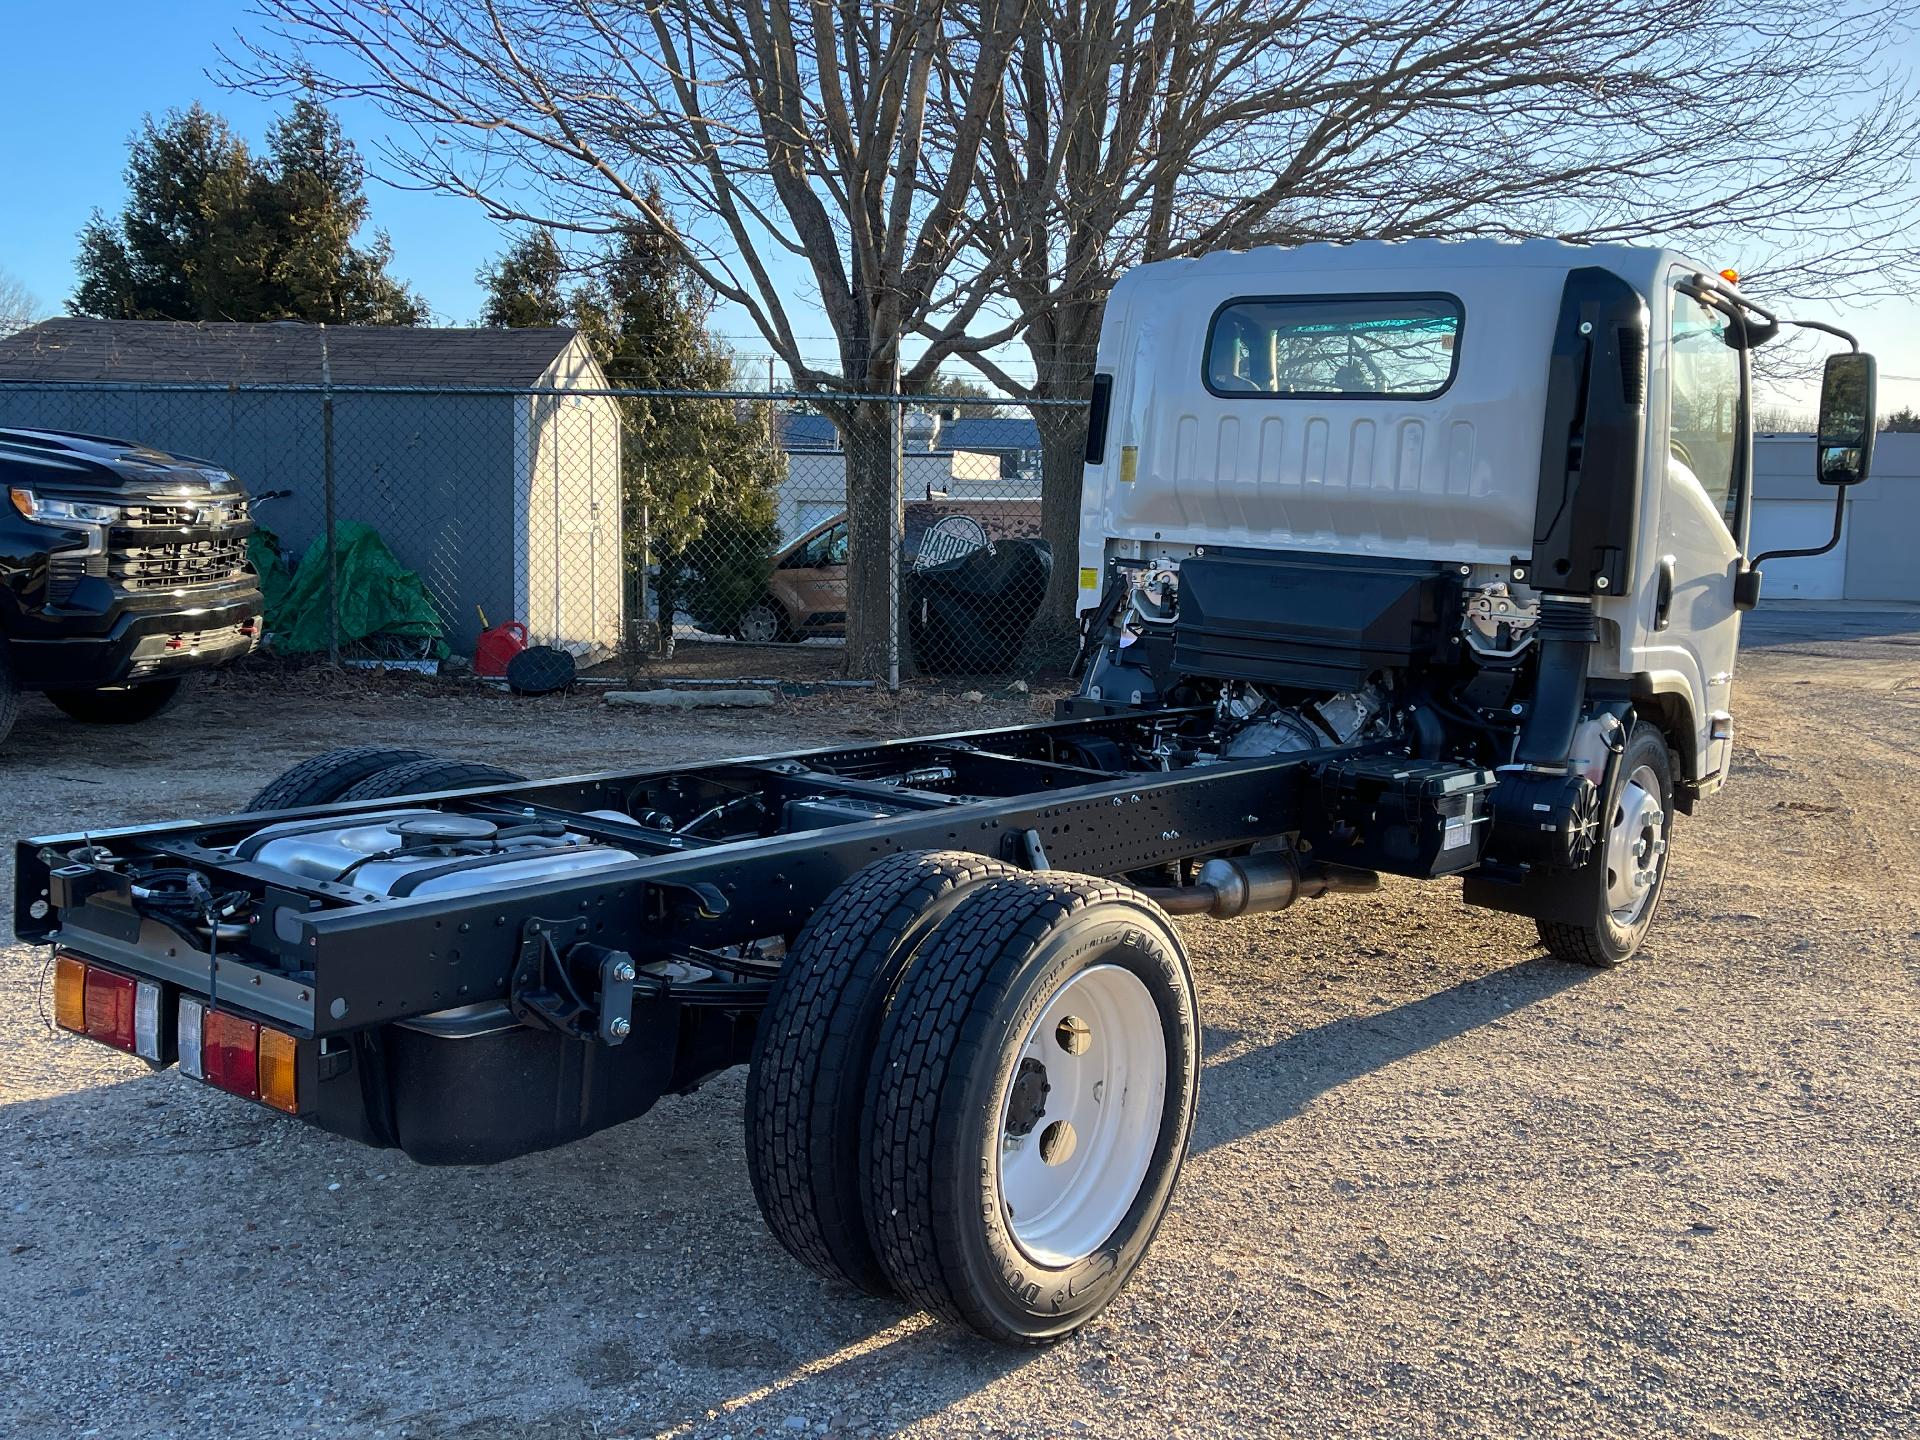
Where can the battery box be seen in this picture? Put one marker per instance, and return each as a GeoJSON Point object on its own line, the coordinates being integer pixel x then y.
{"type": "Point", "coordinates": [1404, 816]}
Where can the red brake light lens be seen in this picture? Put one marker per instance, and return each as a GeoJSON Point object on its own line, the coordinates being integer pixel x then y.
{"type": "Point", "coordinates": [230, 1053]}
{"type": "Point", "coordinates": [109, 1006]}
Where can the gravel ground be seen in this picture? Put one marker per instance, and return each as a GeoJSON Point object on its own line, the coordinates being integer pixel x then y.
{"type": "Point", "coordinates": [1441, 1185]}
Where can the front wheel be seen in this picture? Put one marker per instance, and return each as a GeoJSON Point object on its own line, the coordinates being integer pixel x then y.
{"type": "Point", "coordinates": [120, 704]}
{"type": "Point", "coordinates": [1623, 881]}
{"type": "Point", "coordinates": [1030, 1105]}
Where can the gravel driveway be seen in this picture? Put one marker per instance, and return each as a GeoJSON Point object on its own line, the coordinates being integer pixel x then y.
{"type": "Point", "coordinates": [1441, 1186]}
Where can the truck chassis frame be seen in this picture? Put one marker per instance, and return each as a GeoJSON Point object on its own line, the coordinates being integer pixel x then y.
{"type": "Point", "coordinates": [341, 960]}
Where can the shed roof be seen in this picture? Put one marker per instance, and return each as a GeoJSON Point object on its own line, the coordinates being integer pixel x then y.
{"type": "Point", "coordinates": [73, 350]}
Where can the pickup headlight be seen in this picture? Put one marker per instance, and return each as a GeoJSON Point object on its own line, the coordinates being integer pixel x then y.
{"type": "Point", "coordinates": [53, 511]}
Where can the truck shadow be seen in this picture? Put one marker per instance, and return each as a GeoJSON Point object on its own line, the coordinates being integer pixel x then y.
{"type": "Point", "coordinates": [1258, 1089]}
{"type": "Point", "coordinates": [624, 1283]}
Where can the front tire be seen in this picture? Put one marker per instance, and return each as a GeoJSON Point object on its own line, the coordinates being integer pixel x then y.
{"type": "Point", "coordinates": [120, 704]}
{"type": "Point", "coordinates": [1624, 880]}
{"type": "Point", "coordinates": [1031, 1101]}
{"type": "Point", "coordinates": [9, 694]}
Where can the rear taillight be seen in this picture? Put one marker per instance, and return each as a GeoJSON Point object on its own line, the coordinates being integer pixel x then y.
{"type": "Point", "coordinates": [104, 1005]}
{"type": "Point", "coordinates": [230, 1053]}
{"type": "Point", "coordinates": [240, 1056]}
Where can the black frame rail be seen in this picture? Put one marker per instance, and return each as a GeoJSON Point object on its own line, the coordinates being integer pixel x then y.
{"type": "Point", "coordinates": [326, 959]}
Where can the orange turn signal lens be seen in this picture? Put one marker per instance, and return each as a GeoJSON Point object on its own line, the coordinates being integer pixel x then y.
{"type": "Point", "coordinates": [70, 993]}
{"type": "Point", "coordinates": [278, 1086]}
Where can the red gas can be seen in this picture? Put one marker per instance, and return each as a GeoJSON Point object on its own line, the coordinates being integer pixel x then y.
{"type": "Point", "coordinates": [497, 646]}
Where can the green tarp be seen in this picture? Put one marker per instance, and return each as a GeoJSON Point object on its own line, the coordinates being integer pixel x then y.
{"type": "Point", "coordinates": [378, 596]}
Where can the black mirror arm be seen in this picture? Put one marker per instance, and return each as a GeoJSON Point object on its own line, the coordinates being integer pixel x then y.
{"type": "Point", "coordinates": [1839, 519]}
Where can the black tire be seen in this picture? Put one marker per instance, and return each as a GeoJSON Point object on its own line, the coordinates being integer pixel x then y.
{"type": "Point", "coordinates": [329, 776]}
{"type": "Point", "coordinates": [121, 704]}
{"type": "Point", "coordinates": [1603, 940]}
{"type": "Point", "coordinates": [9, 694]}
{"type": "Point", "coordinates": [424, 777]}
{"type": "Point", "coordinates": [807, 1086]}
{"type": "Point", "coordinates": [945, 1072]}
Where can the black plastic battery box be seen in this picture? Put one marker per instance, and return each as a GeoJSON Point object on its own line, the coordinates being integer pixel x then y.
{"type": "Point", "coordinates": [1404, 816]}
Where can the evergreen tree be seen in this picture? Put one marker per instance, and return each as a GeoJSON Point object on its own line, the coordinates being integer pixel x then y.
{"type": "Point", "coordinates": [210, 232]}
{"type": "Point", "coordinates": [526, 286]}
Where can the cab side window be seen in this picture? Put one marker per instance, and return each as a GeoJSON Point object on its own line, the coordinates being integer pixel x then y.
{"type": "Point", "coordinates": [1703, 434]}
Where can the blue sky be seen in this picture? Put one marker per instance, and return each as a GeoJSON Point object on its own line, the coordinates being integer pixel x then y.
{"type": "Point", "coordinates": [76, 79]}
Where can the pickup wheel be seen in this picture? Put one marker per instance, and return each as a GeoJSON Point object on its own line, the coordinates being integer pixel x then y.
{"type": "Point", "coordinates": [1628, 872]}
{"type": "Point", "coordinates": [329, 776]}
{"type": "Point", "coordinates": [423, 777]}
{"type": "Point", "coordinates": [1030, 1105]}
{"type": "Point", "coordinates": [9, 694]}
{"type": "Point", "coordinates": [120, 704]}
{"type": "Point", "coordinates": [808, 1081]}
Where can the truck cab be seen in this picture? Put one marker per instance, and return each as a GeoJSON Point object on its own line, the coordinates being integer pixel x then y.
{"type": "Point", "coordinates": [1421, 467]}
{"type": "Point", "coordinates": [123, 570]}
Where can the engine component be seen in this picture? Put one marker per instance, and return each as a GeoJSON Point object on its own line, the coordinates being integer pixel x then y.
{"type": "Point", "coordinates": [1405, 816]}
{"type": "Point", "coordinates": [1497, 625]}
{"type": "Point", "coordinates": [1545, 819]}
{"type": "Point", "coordinates": [1261, 729]}
{"type": "Point", "coordinates": [1316, 623]}
{"type": "Point", "coordinates": [426, 852]}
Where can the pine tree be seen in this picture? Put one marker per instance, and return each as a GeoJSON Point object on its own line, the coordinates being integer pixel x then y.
{"type": "Point", "coordinates": [210, 232]}
{"type": "Point", "coordinates": [527, 286]}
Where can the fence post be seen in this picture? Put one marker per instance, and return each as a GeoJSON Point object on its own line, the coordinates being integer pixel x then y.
{"type": "Point", "coordinates": [896, 530]}
{"type": "Point", "coordinates": [326, 488]}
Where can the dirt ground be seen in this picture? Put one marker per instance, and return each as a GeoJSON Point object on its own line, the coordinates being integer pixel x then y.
{"type": "Point", "coordinates": [1441, 1185]}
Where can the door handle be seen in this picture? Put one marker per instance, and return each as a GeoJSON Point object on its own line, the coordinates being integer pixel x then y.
{"type": "Point", "coordinates": [1663, 592]}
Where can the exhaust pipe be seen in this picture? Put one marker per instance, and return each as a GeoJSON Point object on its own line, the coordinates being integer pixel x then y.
{"type": "Point", "coordinates": [1248, 884]}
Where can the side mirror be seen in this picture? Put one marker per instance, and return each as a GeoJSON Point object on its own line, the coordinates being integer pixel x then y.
{"type": "Point", "coordinates": [1844, 451]}
{"type": "Point", "coordinates": [1746, 589]}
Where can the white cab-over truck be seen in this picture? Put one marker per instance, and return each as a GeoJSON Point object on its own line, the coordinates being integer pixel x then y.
{"type": "Point", "coordinates": [1421, 559]}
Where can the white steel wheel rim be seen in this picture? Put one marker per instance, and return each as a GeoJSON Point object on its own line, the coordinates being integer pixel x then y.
{"type": "Point", "coordinates": [1636, 846]}
{"type": "Point", "coordinates": [1070, 1169]}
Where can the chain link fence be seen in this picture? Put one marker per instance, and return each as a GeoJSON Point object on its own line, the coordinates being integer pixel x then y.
{"type": "Point", "coordinates": [427, 524]}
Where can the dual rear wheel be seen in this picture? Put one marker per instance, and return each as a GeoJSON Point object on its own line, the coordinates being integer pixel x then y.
{"type": "Point", "coordinates": [974, 1087]}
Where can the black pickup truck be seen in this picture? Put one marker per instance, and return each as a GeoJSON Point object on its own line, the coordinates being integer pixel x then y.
{"type": "Point", "coordinates": [123, 570]}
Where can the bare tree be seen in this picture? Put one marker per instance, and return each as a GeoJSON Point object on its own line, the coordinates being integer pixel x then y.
{"type": "Point", "coordinates": [793, 141]}
{"type": "Point", "coordinates": [1136, 130]}
{"type": "Point", "coordinates": [19, 307]}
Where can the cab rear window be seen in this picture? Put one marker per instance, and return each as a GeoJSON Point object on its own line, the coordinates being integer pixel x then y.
{"type": "Point", "coordinates": [1342, 347]}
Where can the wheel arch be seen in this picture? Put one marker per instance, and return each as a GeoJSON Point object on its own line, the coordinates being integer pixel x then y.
{"type": "Point", "coordinates": [1665, 701]}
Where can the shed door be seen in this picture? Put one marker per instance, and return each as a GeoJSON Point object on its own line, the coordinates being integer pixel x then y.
{"type": "Point", "coordinates": [1798, 525]}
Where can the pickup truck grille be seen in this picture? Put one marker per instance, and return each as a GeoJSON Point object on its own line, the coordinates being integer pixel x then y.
{"type": "Point", "coordinates": [147, 552]}
{"type": "Point", "coordinates": [177, 566]}
{"type": "Point", "coordinates": [170, 516]}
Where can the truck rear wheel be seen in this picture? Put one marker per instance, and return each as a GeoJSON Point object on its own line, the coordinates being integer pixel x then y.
{"type": "Point", "coordinates": [808, 1081]}
{"type": "Point", "coordinates": [423, 777]}
{"type": "Point", "coordinates": [120, 704]}
{"type": "Point", "coordinates": [329, 776]}
{"type": "Point", "coordinates": [1628, 872]}
{"type": "Point", "coordinates": [1031, 1102]}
